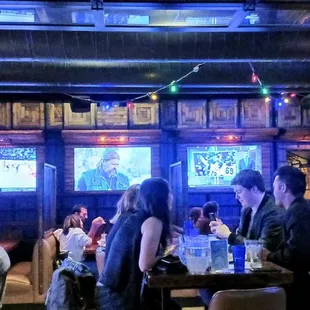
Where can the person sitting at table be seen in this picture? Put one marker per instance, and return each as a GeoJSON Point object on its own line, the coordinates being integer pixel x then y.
{"type": "Point", "coordinates": [73, 239]}
{"type": "Point", "coordinates": [127, 203]}
{"type": "Point", "coordinates": [133, 247]}
{"type": "Point", "coordinates": [5, 265]}
{"type": "Point", "coordinates": [261, 219]}
{"type": "Point", "coordinates": [203, 223]}
{"type": "Point", "coordinates": [289, 187]}
{"type": "Point", "coordinates": [97, 225]}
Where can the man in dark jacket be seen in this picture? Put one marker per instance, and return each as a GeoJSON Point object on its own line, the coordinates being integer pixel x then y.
{"type": "Point", "coordinates": [260, 218]}
{"type": "Point", "coordinates": [294, 254]}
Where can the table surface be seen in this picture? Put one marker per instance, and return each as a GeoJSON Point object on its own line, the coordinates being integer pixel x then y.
{"type": "Point", "coordinates": [273, 275]}
{"type": "Point", "coordinates": [9, 245]}
{"type": "Point", "coordinates": [90, 250]}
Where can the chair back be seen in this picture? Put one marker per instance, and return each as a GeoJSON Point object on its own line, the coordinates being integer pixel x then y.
{"type": "Point", "coordinates": [2, 286]}
{"type": "Point", "coordinates": [269, 298]}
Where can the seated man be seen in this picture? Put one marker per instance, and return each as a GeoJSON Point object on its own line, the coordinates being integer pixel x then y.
{"type": "Point", "coordinates": [260, 218]}
{"type": "Point", "coordinates": [96, 228]}
{"type": "Point", "coordinates": [289, 188]}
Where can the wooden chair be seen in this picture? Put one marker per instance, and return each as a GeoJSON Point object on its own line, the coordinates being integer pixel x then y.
{"type": "Point", "coordinates": [269, 298]}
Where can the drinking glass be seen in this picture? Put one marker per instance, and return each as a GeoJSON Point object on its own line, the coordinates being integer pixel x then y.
{"type": "Point", "coordinates": [253, 248]}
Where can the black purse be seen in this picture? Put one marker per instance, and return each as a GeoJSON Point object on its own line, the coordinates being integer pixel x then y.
{"type": "Point", "coordinates": [170, 265]}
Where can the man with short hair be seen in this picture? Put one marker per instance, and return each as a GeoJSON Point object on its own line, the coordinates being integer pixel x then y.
{"type": "Point", "coordinates": [81, 211]}
{"type": "Point", "coordinates": [260, 218]}
{"type": "Point", "coordinates": [105, 176]}
{"type": "Point", "coordinates": [97, 223]}
{"type": "Point", "coordinates": [289, 187]}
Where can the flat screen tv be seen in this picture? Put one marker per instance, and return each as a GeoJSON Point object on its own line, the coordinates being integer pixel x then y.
{"type": "Point", "coordinates": [18, 169]}
{"type": "Point", "coordinates": [216, 166]}
{"type": "Point", "coordinates": [106, 169]}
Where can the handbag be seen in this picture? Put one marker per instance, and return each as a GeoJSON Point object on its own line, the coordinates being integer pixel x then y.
{"type": "Point", "coordinates": [170, 265]}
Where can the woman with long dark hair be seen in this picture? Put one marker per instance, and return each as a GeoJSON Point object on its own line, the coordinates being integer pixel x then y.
{"type": "Point", "coordinates": [134, 246]}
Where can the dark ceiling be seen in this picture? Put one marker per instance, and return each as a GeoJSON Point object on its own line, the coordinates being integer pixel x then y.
{"type": "Point", "coordinates": [135, 60]}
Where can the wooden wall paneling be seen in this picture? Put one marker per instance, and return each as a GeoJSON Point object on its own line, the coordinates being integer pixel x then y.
{"type": "Point", "coordinates": [192, 114]}
{"type": "Point", "coordinates": [168, 114]}
{"type": "Point", "coordinates": [28, 115]}
{"type": "Point", "coordinates": [5, 115]}
{"type": "Point", "coordinates": [255, 113]}
{"type": "Point", "coordinates": [79, 120]}
{"type": "Point", "coordinates": [144, 115]}
{"type": "Point", "coordinates": [54, 115]}
{"type": "Point", "coordinates": [115, 117]}
{"type": "Point", "coordinates": [223, 113]}
{"type": "Point", "coordinates": [306, 118]}
{"type": "Point", "coordinates": [289, 116]}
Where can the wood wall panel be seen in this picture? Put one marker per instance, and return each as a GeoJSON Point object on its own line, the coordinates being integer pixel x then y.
{"type": "Point", "coordinates": [28, 115]}
{"type": "Point", "coordinates": [223, 113]}
{"type": "Point", "coordinates": [306, 118]}
{"type": "Point", "coordinates": [192, 114]}
{"type": "Point", "coordinates": [5, 115]}
{"type": "Point", "coordinates": [144, 115]}
{"type": "Point", "coordinates": [116, 117]}
{"type": "Point", "coordinates": [79, 120]}
{"type": "Point", "coordinates": [255, 113]}
{"type": "Point", "coordinates": [54, 115]}
{"type": "Point", "coordinates": [289, 116]}
{"type": "Point", "coordinates": [168, 114]}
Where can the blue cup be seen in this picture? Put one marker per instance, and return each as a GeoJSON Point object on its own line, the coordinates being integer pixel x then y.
{"type": "Point", "coordinates": [238, 252]}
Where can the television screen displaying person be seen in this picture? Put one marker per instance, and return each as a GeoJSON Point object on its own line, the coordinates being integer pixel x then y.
{"type": "Point", "coordinates": [105, 176]}
{"type": "Point", "coordinates": [246, 162]}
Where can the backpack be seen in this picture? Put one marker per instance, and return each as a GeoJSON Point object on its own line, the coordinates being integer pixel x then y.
{"type": "Point", "coordinates": [64, 292]}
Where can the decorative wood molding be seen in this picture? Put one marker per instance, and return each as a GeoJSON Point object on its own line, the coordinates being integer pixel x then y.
{"type": "Point", "coordinates": [289, 116]}
{"type": "Point", "coordinates": [306, 118]}
{"type": "Point", "coordinates": [144, 115]}
{"type": "Point", "coordinates": [255, 113]}
{"type": "Point", "coordinates": [223, 135]}
{"type": "Point", "coordinates": [28, 115]}
{"type": "Point", "coordinates": [192, 114]}
{"type": "Point", "coordinates": [79, 120]}
{"type": "Point", "coordinates": [223, 113]}
{"type": "Point", "coordinates": [5, 115]}
{"type": "Point", "coordinates": [54, 116]}
{"type": "Point", "coordinates": [18, 137]}
{"type": "Point", "coordinates": [116, 137]}
{"type": "Point", "coordinates": [168, 115]}
{"type": "Point", "coordinates": [296, 134]}
{"type": "Point", "coordinates": [116, 117]}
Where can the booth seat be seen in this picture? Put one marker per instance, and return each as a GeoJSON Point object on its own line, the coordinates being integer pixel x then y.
{"type": "Point", "coordinates": [28, 282]}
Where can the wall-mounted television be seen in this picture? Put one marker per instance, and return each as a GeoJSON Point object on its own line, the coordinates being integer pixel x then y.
{"type": "Point", "coordinates": [106, 168]}
{"type": "Point", "coordinates": [18, 168]}
{"type": "Point", "coordinates": [216, 165]}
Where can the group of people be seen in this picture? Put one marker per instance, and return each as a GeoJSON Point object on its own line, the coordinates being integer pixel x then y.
{"type": "Point", "coordinates": [281, 222]}
{"type": "Point", "coordinates": [142, 230]}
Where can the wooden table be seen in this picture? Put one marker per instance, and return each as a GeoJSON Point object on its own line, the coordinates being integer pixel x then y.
{"type": "Point", "coordinates": [219, 280]}
{"type": "Point", "coordinates": [9, 245]}
{"type": "Point", "coordinates": [91, 250]}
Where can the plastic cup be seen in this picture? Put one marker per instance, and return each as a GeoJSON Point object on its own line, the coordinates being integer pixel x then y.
{"type": "Point", "coordinates": [238, 252]}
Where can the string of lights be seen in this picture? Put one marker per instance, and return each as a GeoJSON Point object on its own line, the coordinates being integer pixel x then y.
{"type": "Point", "coordinates": [284, 98]}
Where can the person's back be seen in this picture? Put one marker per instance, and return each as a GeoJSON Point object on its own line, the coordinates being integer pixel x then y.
{"type": "Point", "coordinates": [74, 242]}
{"type": "Point", "coordinates": [121, 277]}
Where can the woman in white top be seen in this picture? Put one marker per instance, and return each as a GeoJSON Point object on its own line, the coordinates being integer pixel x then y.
{"type": "Point", "coordinates": [73, 238]}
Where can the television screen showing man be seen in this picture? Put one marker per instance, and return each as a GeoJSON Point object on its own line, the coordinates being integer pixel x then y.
{"type": "Point", "coordinates": [105, 176]}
